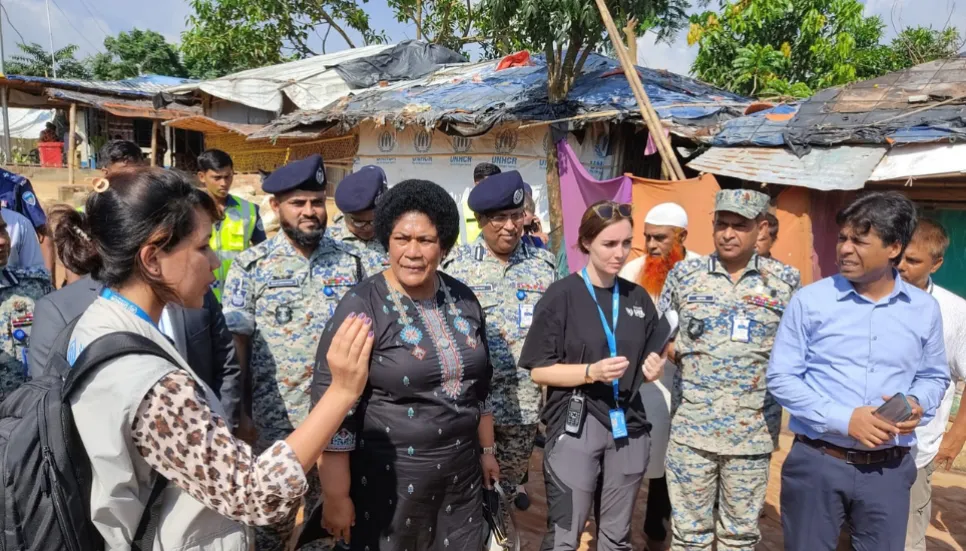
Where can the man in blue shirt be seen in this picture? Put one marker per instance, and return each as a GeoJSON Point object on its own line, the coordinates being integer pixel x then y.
{"type": "Point", "coordinates": [18, 195]}
{"type": "Point", "coordinates": [845, 345]}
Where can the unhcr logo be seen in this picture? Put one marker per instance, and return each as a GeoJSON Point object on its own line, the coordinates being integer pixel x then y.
{"type": "Point", "coordinates": [602, 145]}
{"type": "Point", "coordinates": [506, 142]}
{"type": "Point", "coordinates": [387, 141]}
{"type": "Point", "coordinates": [461, 144]}
{"type": "Point", "coordinates": [423, 141]}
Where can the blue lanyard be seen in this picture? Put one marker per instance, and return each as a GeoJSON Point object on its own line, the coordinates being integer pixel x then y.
{"type": "Point", "coordinates": [127, 305]}
{"type": "Point", "coordinates": [609, 332]}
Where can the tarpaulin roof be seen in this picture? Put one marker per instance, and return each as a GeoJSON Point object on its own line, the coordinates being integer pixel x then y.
{"type": "Point", "coordinates": [921, 161]}
{"type": "Point", "coordinates": [145, 86]}
{"type": "Point", "coordinates": [925, 103]}
{"type": "Point", "coordinates": [28, 123]}
{"type": "Point", "coordinates": [317, 81]}
{"type": "Point", "coordinates": [123, 107]}
{"type": "Point", "coordinates": [470, 99]}
{"type": "Point", "coordinates": [842, 168]}
{"type": "Point", "coordinates": [207, 125]}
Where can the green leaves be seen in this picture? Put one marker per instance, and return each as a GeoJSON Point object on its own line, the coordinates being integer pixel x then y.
{"type": "Point", "coordinates": [137, 53]}
{"type": "Point", "coordinates": [34, 60]}
{"type": "Point", "coordinates": [823, 42]}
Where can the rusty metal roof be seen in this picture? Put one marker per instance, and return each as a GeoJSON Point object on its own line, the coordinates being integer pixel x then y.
{"type": "Point", "coordinates": [837, 168]}
{"type": "Point", "coordinates": [128, 108]}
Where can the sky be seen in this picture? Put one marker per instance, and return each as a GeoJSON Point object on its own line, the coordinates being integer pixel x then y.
{"type": "Point", "coordinates": [87, 22]}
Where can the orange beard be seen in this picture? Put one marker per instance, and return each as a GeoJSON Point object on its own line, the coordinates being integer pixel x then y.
{"type": "Point", "coordinates": [656, 269]}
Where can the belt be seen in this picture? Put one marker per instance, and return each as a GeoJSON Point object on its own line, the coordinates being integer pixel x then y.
{"type": "Point", "coordinates": [855, 457]}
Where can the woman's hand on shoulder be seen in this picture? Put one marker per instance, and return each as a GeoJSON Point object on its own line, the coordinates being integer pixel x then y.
{"type": "Point", "coordinates": [348, 355]}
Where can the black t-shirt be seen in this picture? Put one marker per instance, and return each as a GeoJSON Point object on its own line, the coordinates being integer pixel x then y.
{"type": "Point", "coordinates": [567, 329]}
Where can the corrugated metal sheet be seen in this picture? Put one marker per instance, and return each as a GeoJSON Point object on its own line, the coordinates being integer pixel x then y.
{"type": "Point", "coordinates": [129, 108]}
{"type": "Point", "coordinates": [838, 168]}
{"type": "Point", "coordinates": [143, 86]}
{"type": "Point", "coordinates": [921, 161]}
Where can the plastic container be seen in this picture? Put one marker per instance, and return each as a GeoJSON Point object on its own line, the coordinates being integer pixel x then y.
{"type": "Point", "coordinates": [51, 154]}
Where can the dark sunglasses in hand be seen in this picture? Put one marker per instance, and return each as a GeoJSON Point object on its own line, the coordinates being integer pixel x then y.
{"type": "Point", "coordinates": [612, 210]}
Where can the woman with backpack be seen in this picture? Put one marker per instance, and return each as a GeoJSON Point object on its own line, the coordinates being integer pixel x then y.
{"type": "Point", "coordinates": [145, 235]}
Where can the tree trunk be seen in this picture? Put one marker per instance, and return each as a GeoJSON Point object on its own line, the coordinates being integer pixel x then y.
{"type": "Point", "coordinates": [557, 93]}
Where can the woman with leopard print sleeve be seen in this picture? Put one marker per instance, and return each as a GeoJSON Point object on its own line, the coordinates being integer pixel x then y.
{"type": "Point", "coordinates": [145, 236]}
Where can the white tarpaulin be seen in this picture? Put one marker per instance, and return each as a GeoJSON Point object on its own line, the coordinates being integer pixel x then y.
{"type": "Point", "coordinates": [310, 83]}
{"type": "Point", "coordinates": [28, 123]}
{"type": "Point", "coordinates": [920, 161]}
{"type": "Point", "coordinates": [449, 161]}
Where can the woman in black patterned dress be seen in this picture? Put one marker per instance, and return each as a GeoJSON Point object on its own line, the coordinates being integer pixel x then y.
{"type": "Point", "coordinates": [405, 470]}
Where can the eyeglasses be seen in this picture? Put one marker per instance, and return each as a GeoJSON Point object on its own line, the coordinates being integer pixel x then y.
{"type": "Point", "coordinates": [610, 209]}
{"type": "Point", "coordinates": [360, 224]}
{"type": "Point", "coordinates": [500, 220]}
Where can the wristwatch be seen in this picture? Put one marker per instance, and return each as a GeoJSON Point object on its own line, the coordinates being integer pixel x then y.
{"type": "Point", "coordinates": [587, 378]}
{"type": "Point", "coordinates": [489, 450]}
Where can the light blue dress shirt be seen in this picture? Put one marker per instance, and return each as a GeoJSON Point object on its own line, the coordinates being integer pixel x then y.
{"type": "Point", "coordinates": [836, 351]}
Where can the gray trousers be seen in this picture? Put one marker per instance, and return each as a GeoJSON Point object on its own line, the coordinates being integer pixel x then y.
{"type": "Point", "coordinates": [920, 508]}
{"type": "Point", "coordinates": [571, 466]}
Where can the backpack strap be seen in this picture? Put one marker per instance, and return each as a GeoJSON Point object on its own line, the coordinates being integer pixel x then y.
{"type": "Point", "coordinates": [102, 350]}
{"type": "Point", "coordinates": [60, 347]}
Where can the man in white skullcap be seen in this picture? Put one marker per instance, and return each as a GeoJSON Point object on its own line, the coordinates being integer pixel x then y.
{"type": "Point", "coordinates": [665, 231]}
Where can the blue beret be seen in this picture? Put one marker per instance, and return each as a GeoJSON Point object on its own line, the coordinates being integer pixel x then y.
{"type": "Point", "coordinates": [358, 191]}
{"type": "Point", "coordinates": [502, 191]}
{"type": "Point", "coordinates": [528, 189]}
{"type": "Point", "coordinates": [307, 174]}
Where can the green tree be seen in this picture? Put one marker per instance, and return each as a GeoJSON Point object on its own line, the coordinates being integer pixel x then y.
{"type": "Point", "coordinates": [450, 23]}
{"type": "Point", "coordinates": [567, 31]}
{"type": "Point", "coordinates": [34, 60]}
{"type": "Point", "coordinates": [913, 46]}
{"type": "Point", "coordinates": [225, 36]}
{"type": "Point", "coordinates": [137, 53]}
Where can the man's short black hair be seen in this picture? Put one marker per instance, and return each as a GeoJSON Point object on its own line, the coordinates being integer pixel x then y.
{"type": "Point", "coordinates": [772, 225]}
{"type": "Point", "coordinates": [119, 151]}
{"type": "Point", "coordinates": [215, 160]}
{"type": "Point", "coordinates": [420, 196]}
{"type": "Point", "coordinates": [891, 214]}
{"type": "Point", "coordinates": [485, 170]}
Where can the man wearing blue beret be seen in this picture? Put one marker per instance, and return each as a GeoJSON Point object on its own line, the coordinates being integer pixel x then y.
{"type": "Point", "coordinates": [278, 297]}
{"type": "Point", "coordinates": [508, 277]}
{"type": "Point", "coordinates": [356, 197]}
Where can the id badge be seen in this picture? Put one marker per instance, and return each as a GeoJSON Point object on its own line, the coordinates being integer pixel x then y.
{"type": "Point", "coordinates": [618, 425]}
{"type": "Point", "coordinates": [741, 329]}
{"type": "Point", "coordinates": [526, 316]}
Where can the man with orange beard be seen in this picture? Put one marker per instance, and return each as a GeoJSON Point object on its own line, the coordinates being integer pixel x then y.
{"type": "Point", "coordinates": [665, 231]}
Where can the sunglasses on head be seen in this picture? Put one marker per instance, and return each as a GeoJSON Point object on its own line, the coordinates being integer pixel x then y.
{"type": "Point", "coordinates": [612, 210]}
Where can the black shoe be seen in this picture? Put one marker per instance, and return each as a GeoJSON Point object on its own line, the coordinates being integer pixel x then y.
{"type": "Point", "coordinates": [522, 502]}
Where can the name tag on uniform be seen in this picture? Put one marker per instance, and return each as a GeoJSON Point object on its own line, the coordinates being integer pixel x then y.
{"type": "Point", "coordinates": [281, 283]}
{"type": "Point", "coordinates": [700, 298]}
{"type": "Point", "coordinates": [526, 316]}
{"type": "Point", "coordinates": [481, 288]}
{"type": "Point", "coordinates": [618, 425]}
{"type": "Point", "coordinates": [741, 329]}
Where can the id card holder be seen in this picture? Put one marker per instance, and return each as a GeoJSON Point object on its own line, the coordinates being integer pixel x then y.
{"type": "Point", "coordinates": [526, 316]}
{"type": "Point", "coordinates": [575, 415]}
{"type": "Point", "coordinates": [618, 425]}
{"type": "Point", "coordinates": [740, 329]}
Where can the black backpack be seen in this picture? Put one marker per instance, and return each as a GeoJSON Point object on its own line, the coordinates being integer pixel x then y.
{"type": "Point", "coordinates": [45, 473]}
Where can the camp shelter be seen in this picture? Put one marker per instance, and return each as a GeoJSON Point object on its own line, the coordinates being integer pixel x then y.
{"type": "Point", "coordinates": [904, 131]}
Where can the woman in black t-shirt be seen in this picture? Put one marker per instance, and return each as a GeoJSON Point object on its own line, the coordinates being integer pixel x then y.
{"type": "Point", "coordinates": [569, 349]}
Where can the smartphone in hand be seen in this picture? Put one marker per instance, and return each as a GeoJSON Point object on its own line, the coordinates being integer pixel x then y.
{"type": "Point", "coordinates": [896, 409]}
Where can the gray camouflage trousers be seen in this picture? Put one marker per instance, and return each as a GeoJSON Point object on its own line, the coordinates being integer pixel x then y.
{"type": "Point", "coordinates": [514, 445]}
{"type": "Point", "coordinates": [695, 478]}
{"type": "Point", "coordinates": [281, 536]}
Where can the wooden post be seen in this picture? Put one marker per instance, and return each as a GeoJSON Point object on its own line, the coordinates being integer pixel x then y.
{"type": "Point", "coordinates": [647, 111]}
{"type": "Point", "coordinates": [154, 142]}
{"type": "Point", "coordinates": [69, 138]}
{"type": "Point", "coordinates": [630, 33]}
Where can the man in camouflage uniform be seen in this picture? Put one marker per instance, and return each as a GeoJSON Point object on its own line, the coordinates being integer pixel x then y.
{"type": "Point", "coordinates": [19, 288]}
{"type": "Point", "coordinates": [508, 277]}
{"type": "Point", "coordinates": [356, 197]}
{"type": "Point", "coordinates": [725, 424]}
{"type": "Point", "coordinates": [278, 297]}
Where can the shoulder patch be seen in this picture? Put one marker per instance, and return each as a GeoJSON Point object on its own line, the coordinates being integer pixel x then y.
{"type": "Point", "coordinates": [458, 253]}
{"type": "Point", "coordinates": [686, 267]}
{"type": "Point", "coordinates": [542, 254]}
{"type": "Point", "coordinates": [788, 274]}
{"type": "Point", "coordinates": [251, 255]}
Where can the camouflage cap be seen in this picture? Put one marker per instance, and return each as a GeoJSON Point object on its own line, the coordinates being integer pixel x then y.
{"type": "Point", "coordinates": [744, 202]}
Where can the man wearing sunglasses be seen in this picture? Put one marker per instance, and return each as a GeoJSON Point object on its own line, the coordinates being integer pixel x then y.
{"type": "Point", "coordinates": [356, 197]}
{"type": "Point", "coordinates": [508, 277]}
{"type": "Point", "coordinates": [725, 424]}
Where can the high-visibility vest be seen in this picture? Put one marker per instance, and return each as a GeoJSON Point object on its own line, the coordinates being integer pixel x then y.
{"type": "Point", "coordinates": [233, 237]}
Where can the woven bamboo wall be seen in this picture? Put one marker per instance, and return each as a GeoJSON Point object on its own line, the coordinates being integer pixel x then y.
{"type": "Point", "coordinates": [263, 155]}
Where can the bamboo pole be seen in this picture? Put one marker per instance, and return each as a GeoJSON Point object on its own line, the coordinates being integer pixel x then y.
{"type": "Point", "coordinates": [69, 138]}
{"type": "Point", "coordinates": [154, 142]}
{"type": "Point", "coordinates": [647, 111]}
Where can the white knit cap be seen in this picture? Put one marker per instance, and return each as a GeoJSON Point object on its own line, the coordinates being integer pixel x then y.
{"type": "Point", "coordinates": [667, 214]}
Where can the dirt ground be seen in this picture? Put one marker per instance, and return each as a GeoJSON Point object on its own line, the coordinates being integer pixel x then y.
{"type": "Point", "coordinates": [947, 531]}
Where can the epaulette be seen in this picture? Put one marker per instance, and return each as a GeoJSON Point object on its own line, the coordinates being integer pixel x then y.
{"type": "Point", "coordinates": [542, 254]}
{"type": "Point", "coordinates": [251, 255]}
{"type": "Point", "coordinates": [773, 268]}
{"type": "Point", "coordinates": [22, 273]}
{"type": "Point", "coordinates": [686, 267]}
{"type": "Point", "coordinates": [456, 255]}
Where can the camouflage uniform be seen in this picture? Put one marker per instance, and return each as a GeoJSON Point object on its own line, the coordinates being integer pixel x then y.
{"type": "Point", "coordinates": [19, 289]}
{"type": "Point", "coordinates": [374, 256]}
{"type": "Point", "coordinates": [725, 424]}
{"type": "Point", "coordinates": [508, 293]}
{"type": "Point", "coordinates": [283, 300]}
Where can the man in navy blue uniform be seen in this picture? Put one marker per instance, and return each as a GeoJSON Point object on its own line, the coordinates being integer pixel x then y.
{"type": "Point", "coordinates": [18, 195]}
